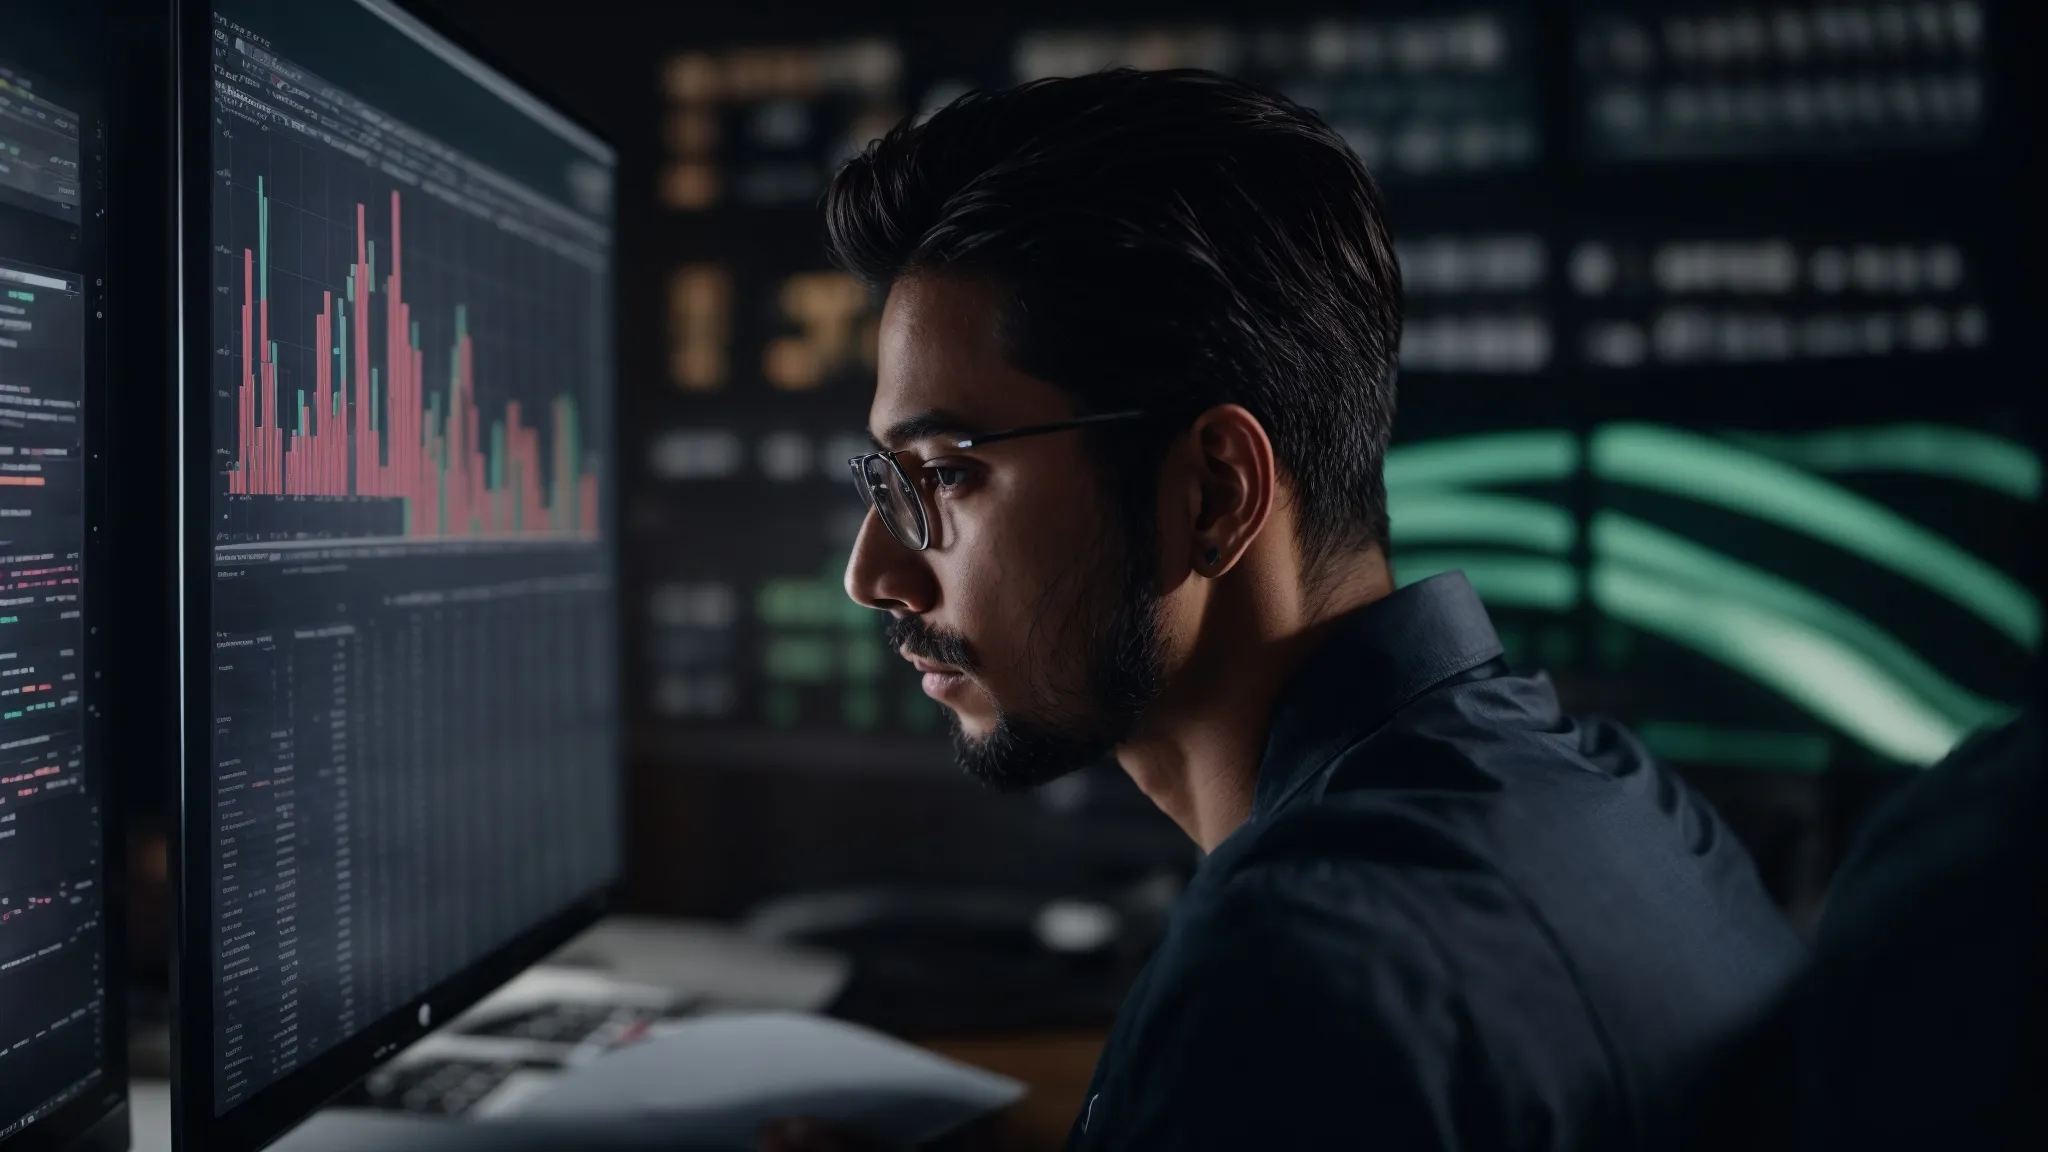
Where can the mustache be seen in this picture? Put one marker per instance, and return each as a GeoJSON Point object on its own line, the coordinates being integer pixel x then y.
{"type": "Point", "coordinates": [912, 635]}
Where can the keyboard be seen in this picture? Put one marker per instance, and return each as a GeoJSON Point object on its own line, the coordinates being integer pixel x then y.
{"type": "Point", "coordinates": [437, 1087]}
{"type": "Point", "coordinates": [607, 1025]}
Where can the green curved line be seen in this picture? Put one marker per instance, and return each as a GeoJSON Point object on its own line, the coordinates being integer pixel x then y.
{"type": "Point", "coordinates": [1799, 663]}
{"type": "Point", "coordinates": [1504, 580]}
{"type": "Point", "coordinates": [1717, 473]}
{"type": "Point", "coordinates": [1489, 458]}
{"type": "Point", "coordinates": [1515, 521]}
{"type": "Point", "coordinates": [1952, 453]}
{"type": "Point", "coordinates": [1816, 671]}
{"type": "Point", "coordinates": [1630, 541]}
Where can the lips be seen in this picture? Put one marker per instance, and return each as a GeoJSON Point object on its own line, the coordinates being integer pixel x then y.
{"type": "Point", "coordinates": [927, 666]}
{"type": "Point", "coordinates": [940, 680]}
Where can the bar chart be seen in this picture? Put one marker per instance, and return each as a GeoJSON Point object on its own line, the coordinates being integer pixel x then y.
{"type": "Point", "coordinates": [429, 450]}
{"type": "Point", "coordinates": [407, 345]}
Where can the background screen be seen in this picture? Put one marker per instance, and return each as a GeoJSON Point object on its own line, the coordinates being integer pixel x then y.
{"type": "Point", "coordinates": [1711, 383]}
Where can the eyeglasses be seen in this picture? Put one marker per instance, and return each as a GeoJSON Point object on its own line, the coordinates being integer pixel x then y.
{"type": "Point", "coordinates": [886, 488]}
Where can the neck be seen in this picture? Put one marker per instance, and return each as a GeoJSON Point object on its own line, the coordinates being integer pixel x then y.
{"type": "Point", "coordinates": [1196, 754]}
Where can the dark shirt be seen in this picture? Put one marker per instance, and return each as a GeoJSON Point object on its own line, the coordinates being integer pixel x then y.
{"type": "Point", "coordinates": [1457, 918]}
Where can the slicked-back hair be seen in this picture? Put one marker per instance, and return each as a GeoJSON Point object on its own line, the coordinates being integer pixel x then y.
{"type": "Point", "coordinates": [1170, 241]}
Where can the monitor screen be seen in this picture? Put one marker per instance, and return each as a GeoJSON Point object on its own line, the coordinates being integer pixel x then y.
{"type": "Point", "coordinates": [412, 747]}
{"type": "Point", "coordinates": [56, 1067]}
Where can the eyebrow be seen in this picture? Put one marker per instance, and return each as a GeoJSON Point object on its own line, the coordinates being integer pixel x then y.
{"type": "Point", "coordinates": [935, 423]}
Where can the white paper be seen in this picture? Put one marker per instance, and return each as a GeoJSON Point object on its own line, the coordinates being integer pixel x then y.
{"type": "Point", "coordinates": [712, 1082]}
{"type": "Point", "coordinates": [719, 963]}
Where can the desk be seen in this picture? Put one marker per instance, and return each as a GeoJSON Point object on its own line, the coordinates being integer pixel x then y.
{"type": "Point", "coordinates": [1056, 1067]}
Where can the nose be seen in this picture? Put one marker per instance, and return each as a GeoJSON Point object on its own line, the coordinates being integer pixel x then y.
{"type": "Point", "coordinates": [881, 573]}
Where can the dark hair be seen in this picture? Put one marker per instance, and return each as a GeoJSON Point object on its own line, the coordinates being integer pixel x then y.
{"type": "Point", "coordinates": [1165, 240]}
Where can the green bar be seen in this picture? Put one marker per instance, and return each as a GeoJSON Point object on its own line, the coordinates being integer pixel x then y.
{"type": "Point", "coordinates": [801, 602]}
{"type": "Point", "coordinates": [415, 333]}
{"type": "Point", "coordinates": [860, 657]}
{"type": "Point", "coordinates": [1697, 468]}
{"type": "Point", "coordinates": [1494, 458]}
{"type": "Point", "coordinates": [798, 659]}
{"type": "Point", "coordinates": [302, 412]}
{"type": "Point", "coordinates": [1423, 515]}
{"type": "Point", "coordinates": [373, 265]}
{"type": "Point", "coordinates": [1712, 745]}
{"type": "Point", "coordinates": [1825, 678]}
{"type": "Point", "coordinates": [461, 321]}
{"type": "Point", "coordinates": [1963, 454]}
{"type": "Point", "coordinates": [262, 241]}
{"type": "Point", "coordinates": [497, 467]}
{"type": "Point", "coordinates": [1503, 580]}
{"type": "Point", "coordinates": [572, 437]}
{"type": "Point", "coordinates": [18, 294]}
{"type": "Point", "coordinates": [1633, 542]}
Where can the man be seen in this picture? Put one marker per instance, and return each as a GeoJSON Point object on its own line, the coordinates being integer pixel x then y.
{"type": "Point", "coordinates": [1136, 377]}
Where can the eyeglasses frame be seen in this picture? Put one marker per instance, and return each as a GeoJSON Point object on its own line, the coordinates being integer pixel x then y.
{"type": "Point", "coordinates": [858, 465]}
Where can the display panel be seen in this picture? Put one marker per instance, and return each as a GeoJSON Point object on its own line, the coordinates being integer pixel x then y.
{"type": "Point", "coordinates": [59, 1002]}
{"type": "Point", "coordinates": [412, 763]}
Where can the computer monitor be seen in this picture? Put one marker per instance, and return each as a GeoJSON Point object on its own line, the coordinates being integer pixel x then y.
{"type": "Point", "coordinates": [63, 1078]}
{"type": "Point", "coordinates": [400, 777]}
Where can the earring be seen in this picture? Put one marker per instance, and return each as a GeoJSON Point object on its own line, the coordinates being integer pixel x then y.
{"type": "Point", "coordinates": [1211, 557]}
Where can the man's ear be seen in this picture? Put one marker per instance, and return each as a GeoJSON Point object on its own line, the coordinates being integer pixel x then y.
{"type": "Point", "coordinates": [1238, 480]}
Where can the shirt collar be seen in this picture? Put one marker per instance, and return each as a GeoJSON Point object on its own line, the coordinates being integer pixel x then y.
{"type": "Point", "coordinates": [1370, 664]}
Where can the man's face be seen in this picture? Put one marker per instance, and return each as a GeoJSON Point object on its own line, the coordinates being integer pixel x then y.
{"type": "Point", "coordinates": [1034, 607]}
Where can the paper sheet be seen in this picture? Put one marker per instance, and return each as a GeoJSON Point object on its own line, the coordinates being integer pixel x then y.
{"type": "Point", "coordinates": [712, 1082]}
{"type": "Point", "coordinates": [713, 961]}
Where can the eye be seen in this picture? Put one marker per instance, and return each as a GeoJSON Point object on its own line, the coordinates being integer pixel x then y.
{"type": "Point", "coordinates": [945, 477]}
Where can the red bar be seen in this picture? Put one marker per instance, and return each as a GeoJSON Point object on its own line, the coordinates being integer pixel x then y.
{"type": "Point", "coordinates": [267, 418]}
{"type": "Point", "coordinates": [562, 494]}
{"type": "Point", "coordinates": [529, 480]}
{"type": "Point", "coordinates": [368, 479]}
{"type": "Point", "coordinates": [247, 401]}
{"type": "Point", "coordinates": [325, 375]}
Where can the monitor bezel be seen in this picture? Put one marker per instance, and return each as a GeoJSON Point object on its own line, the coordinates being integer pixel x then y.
{"type": "Point", "coordinates": [97, 1120]}
{"type": "Point", "coordinates": [278, 1107]}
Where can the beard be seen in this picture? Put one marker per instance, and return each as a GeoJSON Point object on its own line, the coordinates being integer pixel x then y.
{"type": "Point", "coordinates": [1116, 670]}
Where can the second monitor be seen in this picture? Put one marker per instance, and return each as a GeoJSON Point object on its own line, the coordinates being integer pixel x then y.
{"type": "Point", "coordinates": [400, 778]}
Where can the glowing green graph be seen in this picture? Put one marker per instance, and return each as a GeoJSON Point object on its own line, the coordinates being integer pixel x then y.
{"type": "Point", "coordinates": [1693, 466]}
{"type": "Point", "coordinates": [1963, 454]}
{"type": "Point", "coordinates": [1839, 667]}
